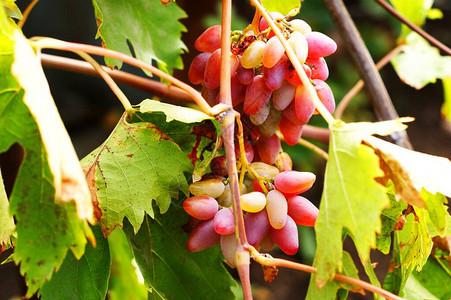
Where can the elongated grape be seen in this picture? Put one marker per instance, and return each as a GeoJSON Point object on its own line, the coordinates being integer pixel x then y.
{"type": "Point", "coordinates": [263, 169]}
{"type": "Point", "coordinates": [300, 26]}
{"type": "Point", "coordinates": [264, 24]}
{"type": "Point", "coordinates": [212, 187]}
{"type": "Point", "coordinates": [286, 238]}
{"type": "Point", "coordinates": [294, 182]}
{"type": "Point", "coordinates": [228, 248]}
{"type": "Point", "coordinates": [273, 52]}
{"type": "Point", "coordinates": [238, 90]}
{"type": "Point", "coordinates": [257, 95]}
{"type": "Point", "coordinates": [225, 200]}
{"type": "Point", "coordinates": [210, 95]}
{"type": "Point", "coordinates": [253, 202]}
{"type": "Point", "coordinates": [202, 236]}
{"type": "Point", "coordinates": [293, 77]}
{"type": "Point", "coordinates": [224, 222]}
{"type": "Point", "coordinates": [219, 165]}
{"type": "Point", "coordinates": [245, 76]}
{"type": "Point", "coordinates": [290, 114]}
{"type": "Point", "coordinates": [201, 207]}
{"type": "Point", "coordinates": [276, 208]}
{"type": "Point", "coordinates": [298, 43]}
{"type": "Point", "coordinates": [213, 69]}
{"type": "Point", "coordinates": [319, 44]}
{"type": "Point", "coordinates": [209, 40]}
{"type": "Point", "coordinates": [268, 148]}
{"type": "Point", "coordinates": [275, 76]}
{"type": "Point", "coordinates": [257, 226]}
{"type": "Point", "coordinates": [303, 105]}
{"type": "Point", "coordinates": [197, 68]}
{"type": "Point", "coordinates": [257, 188]}
{"type": "Point", "coordinates": [267, 243]}
{"type": "Point", "coordinates": [253, 55]}
{"type": "Point", "coordinates": [291, 132]}
{"type": "Point", "coordinates": [325, 94]}
{"type": "Point", "coordinates": [283, 96]}
{"type": "Point", "coordinates": [260, 116]}
{"type": "Point", "coordinates": [319, 68]}
{"type": "Point", "coordinates": [302, 211]}
{"type": "Point", "coordinates": [284, 162]}
{"type": "Point", "coordinates": [269, 127]}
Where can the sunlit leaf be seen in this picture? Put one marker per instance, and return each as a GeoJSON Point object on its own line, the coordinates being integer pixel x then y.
{"type": "Point", "coordinates": [6, 220]}
{"type": "Point", "coordinates": [84, 278]}
{"type": "Point", "coordinates": [414, 10]}
{"type": "Point", "coordinates": [153, 30]}
{"type": "Point", "coordinates": [169, 269]}
{"type": "Point", "coordinates": [446, 107]}
{"type": "Point", "coordinates": [11, 8]}
{"type": "Point", "coordinates": [437, 212]}
{"type": "Point", "coordinates": [284, 7]}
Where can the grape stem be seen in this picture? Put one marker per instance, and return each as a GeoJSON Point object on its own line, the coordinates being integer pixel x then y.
{"type": "Point", "coordinates": [49, 43]}
{"type": "Point", "coordinates": [277, 262]}
{"type": "Point", "coordinates": [296, 64]}
{"type": "Point", "coordinates": [308, 145]}
{"type": "Point", "coordinates": [26, 13]}
{"type": "Point", "coordinates": [360, 84]}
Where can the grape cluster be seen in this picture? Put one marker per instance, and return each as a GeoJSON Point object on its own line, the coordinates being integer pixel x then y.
{"type": "Point", "coordinates": [264, 84]}
{"type": "Point", "coordinates": [269, 219]}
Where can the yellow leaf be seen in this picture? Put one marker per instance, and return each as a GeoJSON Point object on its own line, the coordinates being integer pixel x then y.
{"type": "Point", "coordinates": [69, 180]}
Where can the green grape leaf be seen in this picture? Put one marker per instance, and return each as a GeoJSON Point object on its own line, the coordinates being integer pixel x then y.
{"type": "Point", "coordinates": [6, 220]}
{"type": "Point", "coordinates": [437, 212]}
{"type": "Point", "coordinates": [415, 10]}
{"type": "Point", "coordinates": [152, 29]}
{"type": "Point", "coordinates": [389, 219]}
{"type": "Point", "coordinates": [11, 9]}
{"type": "Point", "coordinates": [46, 226]}
{"type": "Point", "coordinates": [169, 269]}
{"type": "Point", "coordinates": [126, 280]}
{"type": "Point", "coordinates": [284, 7]}
{"type": "Point", "coordinates": [172, 112]}
{"type": "Point", "coordinates": [446, 107]}
{"type": "Point", "coordinates": [84, 278]}
{"type": "Point", "coordinates": [352, 199]}
{"type": "Point", "coordinates": [419, 63]}
{"type": "Point", "coordinates": [329, 291]}
{"type": "Point", "coordinates": [430, 282]}
{"type": "Point", "coordinates": [412, 171]}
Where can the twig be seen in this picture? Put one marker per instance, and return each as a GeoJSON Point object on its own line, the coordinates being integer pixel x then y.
{"type": "Point", "coordinates": [111, 83]}
{"type": "Point", "coordinates": [41, 42]}
{"type": "Point", "coordinates": [296, 64]}
{"type": "Point", "coordinates": [309, 146]}
{"type": "Point", "coordinates": [380, 99]}
{"type": "Point", "coordinates": [26, 13]}
{"type": "Point", "coordinates": [360, 84]}
{"type": "Point", "coordinates": [269, 261]}
{"type": "Point", "coordinates": [433, 41]}
{"type": "Point", "coordinates": [151, 86]}
{"type": "Point", "coordinates": [316, 133]}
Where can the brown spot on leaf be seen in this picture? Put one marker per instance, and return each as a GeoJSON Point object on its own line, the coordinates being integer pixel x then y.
{"type": "Point", "coordinates": [41, 262]}
{"type": "Point", "coordinates": [401, 222]}
{"type": "Point", "coordinates": [90, 173]}
{"type": "Point", "coordinates": [130, 155]}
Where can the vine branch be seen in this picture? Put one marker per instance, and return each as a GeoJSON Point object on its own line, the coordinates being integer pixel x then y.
{"type": "Point", "coordinates": [433, 41]}
{"type": "Point", "coordinates": [26, 13]}
{"type": "Point", "coordinates": [379, 96]}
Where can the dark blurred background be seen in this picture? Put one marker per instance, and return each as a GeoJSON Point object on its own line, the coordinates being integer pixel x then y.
{"type": "Point", "coordinates": [90, 110]}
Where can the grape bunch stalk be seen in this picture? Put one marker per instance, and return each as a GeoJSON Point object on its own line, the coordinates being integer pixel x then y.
{"type": "Point", "coordinates": [269, 95]}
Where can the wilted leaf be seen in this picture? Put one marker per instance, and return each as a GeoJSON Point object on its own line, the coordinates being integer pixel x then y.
{"type": "Point", "coordinates": [84, 278]}
{"type": "Point", "coordinates": [352, 198]}
{"type": "Point", "coordinates": [169, 269]}
{"type": "Point", "coordinates": [411, 171]}
{"type": "Point", "coordinates": [419, 63]}
{"type": "Point", "coordinates": [125, 283]}
{"type": "Point", "coordinates": [284, 7]}
{"type": "Point", "coordinates": [45, 228]}
{"type": "Point", "coordinates": [6, 220]}
{"type": "Point", "coordinates": [329, 291]}
{"type": "Point", "coordinates": [153, 30]}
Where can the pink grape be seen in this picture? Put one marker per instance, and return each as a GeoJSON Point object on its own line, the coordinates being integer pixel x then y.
{"type": "Point", "coordinates": [291, 132]}
{"type": "Point", "coordinates": [268, 148]}
{"type": "Point", "coordinates": [273, 52]}
{"type": "Point", "coordinates": [294, 182]}
{"type": "Point", "coordinates": [302, 211]}
{"type": "Point", "coordinates": [209, 40]}
{"type": "Point", "coordinates": [202, 236]}
{"type": "Point", "coordinates": [248, 149]}
{"type": "Point", "coordinates": [224, 222]}
{"type": "Point", "coordinates": [319, 68]}
{"type": "Point", "coordinates": [238, 90]}
{"type": "Point", "coordinates": [213, 69]}
{"type": "Point", "coordinates": [219, 165]}
{"type": "Point", "coordinates": [201, 207]}
{"type": "Point", "coordinates": [245, 76]}
{"type": "Point", "coordinates": [275, 76]}
{"type": "Point", "coordinates": [287, 237]}
{"type": "Point", "coordinates": [264, 24]}
{"type": "Point", "coordinates": [210, 95]}
{"type": "Point", "coordinates": [303, 105]}
{"type": "Point", "coordinates": [325, 94]}
{"type": "Point", "coordinates": [319, 44]}
{"type": "Point", "coordinates": [290, 114]}
{"type": "Point", "coordinates": [228, 248]}
{"type": "Point", "coordinates": [276, 208]}
{"type": "Point", "coordinates": [257, 226]}
{"type": "Point", "coordinates": [253, 55]}
{"type": "Point", "coordinates": [293, 77]}
{"type": "Point", "coordinates": [257, 95]}
{"type": "Point", "coordinates": [283, 96]}
{"type": "Point", "coordinates": [257, 188]}
{"type": "Point", "coordinates": [197, 68]}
